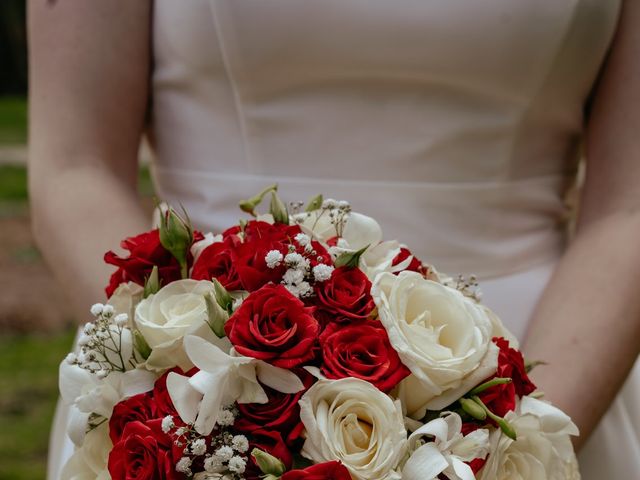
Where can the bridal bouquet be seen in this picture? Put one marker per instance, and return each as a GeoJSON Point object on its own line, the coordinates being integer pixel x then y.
{"type": "Point", "coordinates": [300, 345]}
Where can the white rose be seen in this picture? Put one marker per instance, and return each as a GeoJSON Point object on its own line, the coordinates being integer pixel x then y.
{"type": "Point", "coordinates": [378, 258]}
{"type": "Point", "coordinates": [443, 337]}
{"type": "Point", "coordinates": [90, 460]}
{"type": "Point", "coordinates": [445, 451]}
{"type": "Point", "coordinates": [125, 298]}
{"type": "Point", "coordinates": [543, 448]}
{"type": "Point", "coordinates": [164, 318]}
{"type": "Point", "coordinates": [352, 421]}
{"type": "Point", "coordinates": [359, 230]}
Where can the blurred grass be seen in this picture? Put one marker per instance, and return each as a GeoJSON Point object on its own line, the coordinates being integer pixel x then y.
{"type": "Point", "coordinates": [28, 394]}
{"type": "Point", "coordinates": [13, 183]}
{"type": "Point", "coordinates": [13, 120]}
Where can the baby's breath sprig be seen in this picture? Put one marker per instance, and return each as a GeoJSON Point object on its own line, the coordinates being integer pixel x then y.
{"type": "Point", "coordinates": [300, 275]}
{"type": "Point", "coordinates": [224, 455]}
{"type": "Point", "coordinates": [468, 286]}
{"type": "Point", "coordinates": [105, 344]}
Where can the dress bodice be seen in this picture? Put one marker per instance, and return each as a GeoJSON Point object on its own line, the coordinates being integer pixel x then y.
{"type": "Point", "coordinates": [455, 123]}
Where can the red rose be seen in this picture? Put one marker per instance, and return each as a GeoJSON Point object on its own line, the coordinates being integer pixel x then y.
{"type": "Point", "coordinates": [281, 413]}
{"type": "Point", "coordinates": [415, 265]}
{"type": "Point", "coordinates": [501, 399]}
{"type": "Point", "coordinates": [274, 326]}
{"type": "Point", "coordinates": [145, 252]}
{"type": "Point", "coordinates": [345, 297]}
{"type": "Point", "coordinates": [218, 261]}
{"type": "Point", "coordinates": [321, 471]}
{"type": "Point", "coordinates": [269, 441]}
{"type": "Point", "coordinates": [143, 453]}
{"type": "Point", "coordinates": [137, 408]}
{"type": "Point", "coordinates": [361, 350]}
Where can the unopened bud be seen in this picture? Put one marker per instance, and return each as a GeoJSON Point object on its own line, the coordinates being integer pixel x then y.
{"type": "Point", "coordinates": [268, 464]}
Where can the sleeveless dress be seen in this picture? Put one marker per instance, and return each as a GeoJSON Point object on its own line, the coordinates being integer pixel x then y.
{"type": "Point", "coordinates": [456, 124]}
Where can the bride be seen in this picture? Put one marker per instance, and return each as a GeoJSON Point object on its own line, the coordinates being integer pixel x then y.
{"type": "Point", "coordinates": [468, 115]}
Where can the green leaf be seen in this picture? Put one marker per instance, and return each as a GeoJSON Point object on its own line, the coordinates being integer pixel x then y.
{"type": "Point", "coordinates": [278, 209]}
{"type": "Point", "coordinates": [350, 259]}
{"type": "Point", "coordinates": [152, 285]}
{"type": "Point", "coordinates": [223, 297]}
{"type": "Point", "coordinates": [176, 236]}
{"type": "Point", "coordinates": [315, 203]}
{"type": "Point", "coordinates": [533, 364]}
{"type": "Point", "coordinates": [141, 344]}
{"type": "Point", "coordinates": [490, 383]}
{"type": "Point", "coordinates": [504, 425]}
{"type": "Point", "coordinates": [250, 204]}
{"type": "Point", "coordinates": [217, 317]}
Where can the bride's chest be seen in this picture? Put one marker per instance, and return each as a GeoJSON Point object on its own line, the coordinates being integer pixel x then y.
{"type": "Point", "coordinates": [276, 45]}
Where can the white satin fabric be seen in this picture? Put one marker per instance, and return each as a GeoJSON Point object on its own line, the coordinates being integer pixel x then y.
{"type": "Point", "coordinates": [454, 123]}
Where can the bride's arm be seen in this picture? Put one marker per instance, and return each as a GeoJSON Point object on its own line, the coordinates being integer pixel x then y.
{"type": "Point", "coordinates": [89, 73]}
{"type": "Point", "coordinates": [587, 325]}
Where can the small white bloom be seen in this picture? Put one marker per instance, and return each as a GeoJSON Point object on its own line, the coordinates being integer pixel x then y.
{"type": "Point", "coordinates": [102, 373]}
{"type": "Point", "coordinates": [212, 464]}
{"type": "Point", "coordinates": [237, 464]}
{"type": "Point", "coordinates": [121, 319]}
{"type": "Point", "coordinates": [71, 358]}
{"type": "Point", "coordinates": [273, 258]}
{"type": "Point", "coordinates": [304, 289]}
{"type": "Point", "coordinates": [88, 328]}
{"type": "Point", "coordinates": [102, 334]}
{"type": "Point", "coordinates": [322, 272]}
{"type": "Point", "coordinates": [83, 340]}
{"type": "Point", "coordinates": [181, 431]}
{"type": "Point", "coordinates": [240, 443]}
{"type": "Point", "coordinates": [226, 418]}
{"type": "Point", "coordinates": [293, 276]}
{"type": "Point", "coordinates": [199, 447]}
{"type": "Point", "coordinates": [303, 239]}
{"type": "Point", "coordinates": [343, 204]}
{"type": "Point", "coordinates": [96, 309]}
{"type": "Point", "coordinates": [293, 259]}
{"type": "Point", "coordinates": [329, 203]}
{"type": "Point", "coordinates": [107, 310]}
{"type": "Point", "coordinates": [184, 465]}
{"type": "Point", "coordinates": [225, 452]}
{"type": "Point", "coordinates": [167, 424]}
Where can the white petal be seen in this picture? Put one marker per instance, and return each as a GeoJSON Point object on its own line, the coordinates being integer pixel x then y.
{"type": "Point", "coordinates": [184, 397]}
{"type": "Point", "coordinates": [437, 428]}
{"type": "Point", "coordinates": [427, 462]}
{"type": "Point", "coordinates": [279, 379]}
{"type": "Point", "coordinates": [78, 424]}
{"type": "Point", "coordinates": [137, 381]}
{"type": "Point", "coordinates": [205, 355]}
{"type": "Point", "coordinates": [553, 419]}
{"type": "Point", "coordinates": [462, 469]}
{"type": "Point", "coordinates": [72, 380]}
{"type": "Point", "coordinates": [361, 231]}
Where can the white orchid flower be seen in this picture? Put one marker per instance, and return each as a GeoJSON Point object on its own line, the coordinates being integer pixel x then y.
{"type": "Point", "coordinates": [88, 393]}
{"type": "Point", "coordinates": [223, 378]}
{"type": "Point", "coordinates": [446, 452]}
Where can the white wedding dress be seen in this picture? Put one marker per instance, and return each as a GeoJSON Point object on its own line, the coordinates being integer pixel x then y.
{"type": "Point", "coordinates": [455, 123]}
